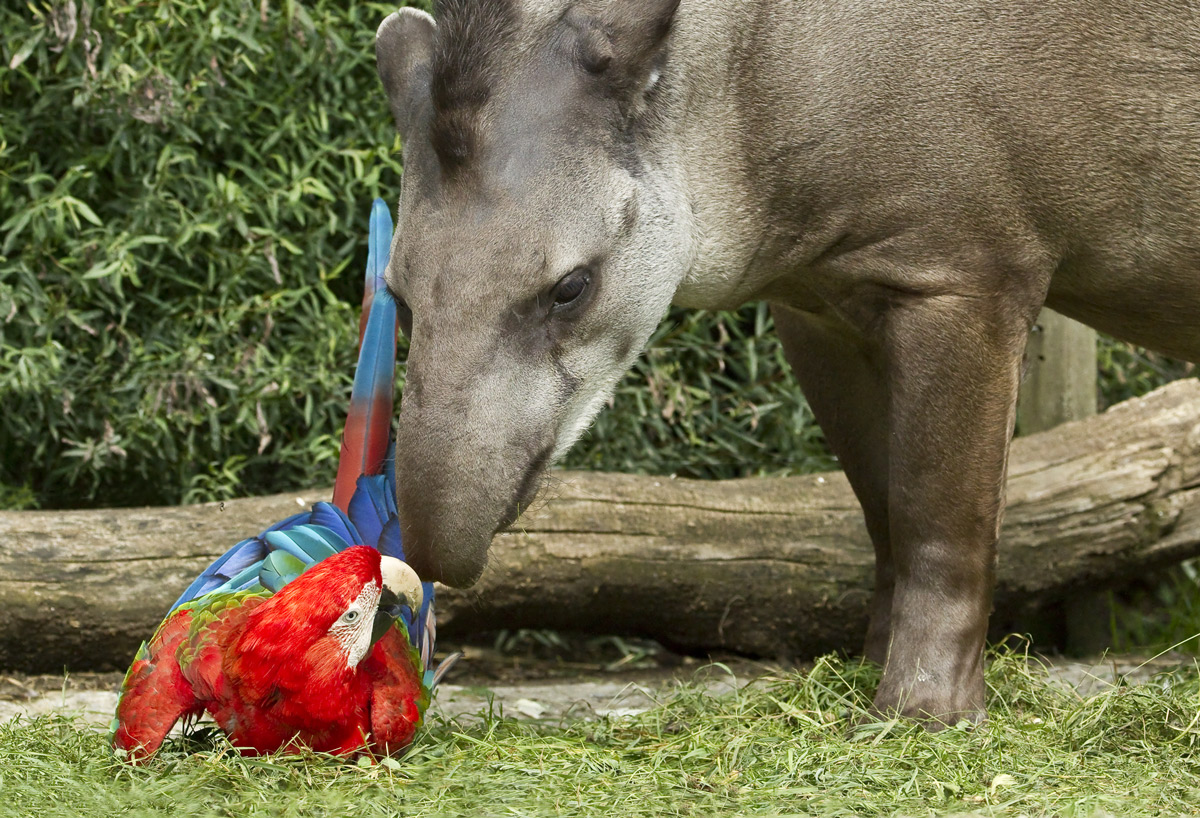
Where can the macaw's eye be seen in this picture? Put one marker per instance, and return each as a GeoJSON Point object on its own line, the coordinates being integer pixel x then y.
{"type": "Point", "coordinates": [350, 616]}
{"type": "Point", "coordinates": [571, 286]}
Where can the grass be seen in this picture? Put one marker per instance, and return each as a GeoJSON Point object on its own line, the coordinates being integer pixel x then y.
{"type": "Point", "coordinates": [779, 747]}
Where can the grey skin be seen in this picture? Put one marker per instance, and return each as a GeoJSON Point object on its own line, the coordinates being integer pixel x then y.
{"type": "Point", "coordinates": [905, 182]}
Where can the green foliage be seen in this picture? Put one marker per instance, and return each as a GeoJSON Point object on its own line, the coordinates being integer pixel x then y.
{"type": "Point", "coordinates": [712, 398]}
{"type": "Point", "coordinates": [1159, 611]}
{"type": "Point", "coordinates": [17, 498]}
{"type": "Point", "coordinates": [782, 746]}
{"type": "Point", "coordinates": [183, 208]}
{"type": "Point", "coordinates": [1128, 371]}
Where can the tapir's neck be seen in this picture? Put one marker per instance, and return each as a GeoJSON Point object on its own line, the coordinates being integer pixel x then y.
{"type": "Point", "coordinates": [706, 164]}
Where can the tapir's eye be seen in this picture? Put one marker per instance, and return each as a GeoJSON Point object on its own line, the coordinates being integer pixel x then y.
{"type": "Point", "coordinates": [571, 286]}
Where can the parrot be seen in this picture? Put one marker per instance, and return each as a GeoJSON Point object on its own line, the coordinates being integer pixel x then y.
{"type": "Point", "coordinates": [314, 633]}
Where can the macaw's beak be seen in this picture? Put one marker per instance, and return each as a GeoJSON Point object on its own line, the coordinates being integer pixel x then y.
{"type": "Point", "coordinates": [401, 588]}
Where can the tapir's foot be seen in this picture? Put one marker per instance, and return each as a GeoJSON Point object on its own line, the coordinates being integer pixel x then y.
{"type": "Point", "coordinates": [930, 700]}
{"type": "Point", "coordinates": [934, 668]}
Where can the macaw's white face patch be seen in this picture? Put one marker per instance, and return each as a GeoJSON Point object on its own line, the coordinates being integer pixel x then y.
{"type": "Point", "coordinates": [352, 630]}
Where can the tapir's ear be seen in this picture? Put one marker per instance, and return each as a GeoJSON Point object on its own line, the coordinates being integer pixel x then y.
{"type": "Point", "coordinates": [404, 59]}
{"type": "Point", "coordinates": [626, 41]}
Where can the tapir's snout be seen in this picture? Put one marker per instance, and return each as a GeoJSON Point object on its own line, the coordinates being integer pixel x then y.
{"type": "Point", "coordinates": [441, 543]}
{"type": "Point", "coordinates": [457, 487]}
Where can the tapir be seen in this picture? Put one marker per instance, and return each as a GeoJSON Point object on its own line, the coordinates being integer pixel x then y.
{"type": "Point", "coordinates": [906, 182]}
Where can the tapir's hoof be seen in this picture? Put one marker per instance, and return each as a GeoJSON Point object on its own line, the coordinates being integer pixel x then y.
{"type": "Point", "coordinates": [934, 713]}
{"type": "Point", "coordinates": [873, 720]}
{"type": "Point", "coordinates": [933, 700]}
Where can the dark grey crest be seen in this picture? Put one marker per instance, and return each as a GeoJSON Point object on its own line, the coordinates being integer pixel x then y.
{"type": "Point", "coordinates": [469, 36]}
{"type": "Point", "coordinates": [619, 45]}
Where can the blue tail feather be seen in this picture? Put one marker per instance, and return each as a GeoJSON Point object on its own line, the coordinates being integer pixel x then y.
{"type": "Point", "coordinates": [364, 511]}
{"type": "Point", "coordinates": [379, 241]}
{"type": "Point", "coordinates": [368, 421]}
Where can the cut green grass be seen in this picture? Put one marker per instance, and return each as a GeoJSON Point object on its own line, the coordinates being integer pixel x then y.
{"type": "Point", "coordinates": [781, 746]}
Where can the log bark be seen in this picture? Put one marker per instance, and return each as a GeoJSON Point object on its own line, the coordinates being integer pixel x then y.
{"type": "Point", "coordinates": [762, 566]}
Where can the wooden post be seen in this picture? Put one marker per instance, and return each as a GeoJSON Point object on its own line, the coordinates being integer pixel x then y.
{"type": "Point", "coordinates": [1060, 382]}
{"type": "Point", "coordinates": [1059, 387]}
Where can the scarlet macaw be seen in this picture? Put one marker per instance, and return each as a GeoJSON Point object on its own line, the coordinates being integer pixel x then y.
{"type": "Point", "coordinates": [315, 632]}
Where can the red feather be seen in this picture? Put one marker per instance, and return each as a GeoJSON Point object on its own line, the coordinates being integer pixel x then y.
{"type": "Point", "coordinates": [155, 693]}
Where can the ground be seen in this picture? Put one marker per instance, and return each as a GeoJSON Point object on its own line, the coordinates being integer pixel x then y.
{"type": "Point", "coordinates": [538, 675]}
{"type": "Point", "coordinates": [534, 723]}
{"type": "Point", "coordinates": [544, 676]}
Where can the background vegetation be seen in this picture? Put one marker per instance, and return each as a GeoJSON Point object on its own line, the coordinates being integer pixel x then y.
{"type": "Point", "coordinates": [184, 188]}
{"type": "Point", "coordinates": [184, 197]}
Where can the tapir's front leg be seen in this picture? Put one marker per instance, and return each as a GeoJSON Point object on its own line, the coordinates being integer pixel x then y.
{"type": "Point", "coordinates": [953, 365]}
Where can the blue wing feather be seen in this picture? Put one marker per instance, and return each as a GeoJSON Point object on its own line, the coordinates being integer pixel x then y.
{"type": "Point", "coordinates": [308, 543]}
{"type": "Point", "coordinates": [389, 541]}
{"type": "Point", "coordinates": [244, 555]}
{"type": "Point", "coordinates": [333, 518]}
{"type": "Point", "coordinates": [372, 505]}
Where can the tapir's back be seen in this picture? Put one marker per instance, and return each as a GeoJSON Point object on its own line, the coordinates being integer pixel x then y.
{"type": "Point", "coordinates": [1065, 134]}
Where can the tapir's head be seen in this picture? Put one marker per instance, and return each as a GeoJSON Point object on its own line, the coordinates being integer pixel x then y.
{"type": "Point", "coordinates": [538, 245]}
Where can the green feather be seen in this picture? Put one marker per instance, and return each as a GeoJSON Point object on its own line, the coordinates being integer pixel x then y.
{"type": "Point", "coordinates": [278, 569]}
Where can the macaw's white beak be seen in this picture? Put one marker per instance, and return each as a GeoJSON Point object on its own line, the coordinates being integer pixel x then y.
{"type": "Point", "coordinates": [401, 588]}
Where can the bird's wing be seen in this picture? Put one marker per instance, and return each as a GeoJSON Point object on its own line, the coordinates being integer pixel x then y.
{"type": "Point", "coordinates": [155, 693]}
{"type": "Point", "coordinates": [216, 619]}
{"type": "Point", "coordinates": [238, 566]}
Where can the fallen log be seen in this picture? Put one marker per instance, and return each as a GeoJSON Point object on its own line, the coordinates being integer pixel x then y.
{"type": "Point", "coordinates": [763, 566]}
